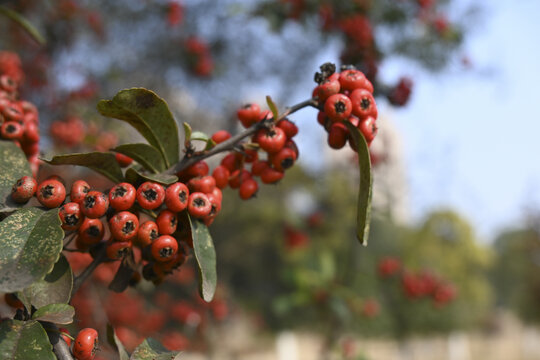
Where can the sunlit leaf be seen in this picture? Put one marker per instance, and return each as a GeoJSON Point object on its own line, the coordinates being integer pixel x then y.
{"type": "Point", "coordinates": [205, 254]}
{"type": "Point", "coordinates": [24, 340]}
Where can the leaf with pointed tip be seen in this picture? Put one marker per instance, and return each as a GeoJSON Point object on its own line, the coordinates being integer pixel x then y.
{"type": "Point", "coordinates": [31, 242]}
{"type": "Point", "coordinates": [205, 254]}
{"type": "Point", "coordinates": [101, 162]}
{"type": "Point", "coordinates": [144, 154]}
{"type": "Point", "coordinates": [366, 181]}
{"type": "Point", "coordinates": [151, 349]}
{"type": "Point", "coordinates": [55, 313]}
{"type": "Point", "coordinates": [113, 340]}
{"type": "Point", "coordinates": [123, 274]}
{"type": "Point", "coordinates": [13, 166]}
{"type": "Point", "coordinates": [150, 115]}
{"type": "Point", "coordinates": [187, 131]}
{"type": "Point", "coordinates": [199, 135]}
{"type": "Point", "coordinates": [134, 176]}
{"type": "Point", "coordinates": [54, 288]}
{"type": "Point", "coordinates": [273, 108]}
{"type": "Point", "coordinates": [24, 23]}
{"type": "Point", "coordinates": [24, 340]}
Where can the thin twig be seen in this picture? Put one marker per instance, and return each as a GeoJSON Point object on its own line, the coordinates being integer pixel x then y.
{"type": "Point", "coordinates": [101, 256]}
{"type": "Point", "coordinates": [60, 348]}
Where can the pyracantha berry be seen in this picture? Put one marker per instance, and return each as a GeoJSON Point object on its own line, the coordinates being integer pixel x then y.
{"type": "Point", "coordinates": [288, 127]}
{"type": "Point", "coordinates": [71, 216]}
{"type": "Point", "coordinates": [123, 160]}
{"type": "Point", "coordinates": [248, 189]}
{"type": "Point", "coordinates": [326, 89]}
{"type": "Point", "coordinates": [31, 132]}
{"type": "Point", "coordinates": [368, 128]}
{"type": "Point", "coordinates": [258, 167]}
{"type": "Point", "coordinates": [118, 249]}
{"type": "Point", "coordinates": [221, 176]}
{"type": "Point", "coordinates": [79, 189]}
{"type": "Point", "coordinates": [221, 136]}
{"type": "Point", "coordinates": [271, 175]}
{"type": "Point", "coordinates": [91, 231]}
{"type": "Point", "coordinates": [198, 205]}
{"type": "Point", "coordinates": [24, 189]}
{"type": "Point", "coordinates": [12, 130]}
{"type": "Point", "coordinates": [363, 104]}
{"type": "Point", "coordinates": [351, 80]}
{"type": "Point", "coordinates": [164, 248]}
{"type": "Point", "coordinates": [232, 161]}
{"type": "Point", "coordinates": [271, 140]}
{"type": "Point", "coordinates": [122, 196]}
{"type": "Point", "coordinates": [150, 195]}
{"type": "Point", "coordinates": [167, 222]}
{"type": "Point", "coordinates": [148, 232]}
{"type": "Point", "coordinates": [51, 193]}
{"type": "Point", "coordinates": [203, 184]}
{"type": "Point", "coordinates": [86, 344]}
{"type": "Point", "coordinates": [284, 159]}
{"type": "Point", "coordinates": [249, 114]}
{"type": "Point", "coordinates": [200, 168]}
{"type": "Point", "coordinates": [337, 135]}
{"type": "Point", "coordinates": [237, 177]}
{"type": "Point", "coordinates": [176, 197]}
{"type": "Point", "coordinates": [124, 226]}
{"type": "Point", "coordinates": [95, 204]}
{"type": "Point", "coordinates": [338, 107]}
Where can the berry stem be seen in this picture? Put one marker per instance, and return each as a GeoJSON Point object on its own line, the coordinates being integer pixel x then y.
{"type": "Point", "coordinates": [232, 143]}
{"type": "Point", "coordinates": [101, 256]}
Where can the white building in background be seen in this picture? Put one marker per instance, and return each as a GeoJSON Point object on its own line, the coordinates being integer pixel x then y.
{"type": "Point", "coordinates": [390, 189]}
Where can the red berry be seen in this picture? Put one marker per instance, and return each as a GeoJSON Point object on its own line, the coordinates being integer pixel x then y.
{"type": "Point", "coordinates": [237, 177]}
{"type": "Point", "coordinates": [122, 196]}
{"type": "Point", "coordinates": [354, 79]}
{"type": "Point", "coordinates": [338, 107]}
{"type": "Point", "coordinates": [198, 205]}
{"type": "Point", "coordinates": [368, 128]}
{"type": "Point", "coordinates": [71, 216]}
{"type": "Point", "coordinates": [12, 130]}
{"type": "Point", "coordinates": [203, 184]}
{"type": "Point", "coordinates": [248, 189]}
{"type": "Point", "coordinates": [271, 140]}
{"type": "Point", "coordinates": [337, 135]}
{"type": "Point", "coordinates": [86, 344]}
{"type": "Point", "coordinates": [147, 233]}
{"type": "Point", "coordinates": [249, 114]}
{"type": "Point", "coordinates": [24, 189]}
{"type": "Point", "coordinates": [123, 160]}
{"type": "Point", "coordinates": [150, 195]}
{"type": "Point", "coordinates": [164, 248]}
{"type": "Point", "coordinates": [79, 189]}
{"type": "Point", "coordinates": [326, 89]}
{"type": "Point", "coordinates": [124, 226]}
{"type": "Point", "coordinates": [176, 197]}
{"type": "Point", "coordinates": [288, 127]}
{"type": "Point", "coordinates": [363, 104]}
{"type": "Point", "coordinates": [221, 176]}
{"type": "Point", "coordinates": [251, 155]}
{"type": "Point", "coordinates": [95, 204]}
{"type": "Point", "coordinates": [200, 168]}
{"type": "Point", "coordinates": [271, 175]}
{"type": "Point", "coordinates": [258, 167]}
{"type": "Point", "coordinates": [232, 161]}
{"type": "Point", "coordinates": [221, 136]}
{"type": "Point", "coordinates": [284, 159]}
{"type": "Point", "coordinates": [64, 333]}
{"type": "Point", "coordinates": [167, 222]}
{"type": "Point", "coordinates": [91, 231]}
{"type": "Point", "coordinates": [51, 193]}
{"type": "Point", "coordinates": [31, 132]}
{"type": "Point", "coordinates": [116, 250]}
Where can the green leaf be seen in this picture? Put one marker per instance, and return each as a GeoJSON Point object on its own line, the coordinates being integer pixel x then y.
{"type": "Point", "coordinates": [24, 340]}
{"type": "Point", "coordinates": [55, 288]}
{"type": "Point", "coordinates": [366, 182]}
{"type": "Point", "coordinates": [205, 254]}
{"type": "Point", "coordinates": [13, 166]}
{"type": "Point", "coordinates": [134, 176]}
{"type": "Point", "coordinates": [272, 106]}
{"type": "Point", "coordinates": [199, 135]}
{"type": "Point", "coordinates": [144, 154]}
{"type": "Point", "coordinates": [25, 24]}
{"type": "Point", "coordinates": [150, 115]}
{"type": "Point", "coordinates": [187, 130]}
{"type": "Point", "coordinates": [151, 349]}
{"type": "Point", "coordinates": [55, 313]}
{"type": "Point", "coordinates": [31, 242]}
{"type": "Point", "coordinates": [101, 162]}
{"type": "Point", "coordinates": [113, 340]}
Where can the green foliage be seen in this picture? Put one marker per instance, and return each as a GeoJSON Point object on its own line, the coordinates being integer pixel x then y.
{"type": "Point", "coordinates": [13, 166]}
{"type": "Point", "coordinates": [55, 313]}
{"type": "Point", "coordinates": [31, 241]}
{"type": "Point", "coordinates": [100, 162]}
{"type": "Point", "coordinates": [205, 254]}
{"type": "Point", "coordinates": [24, 340]}
{"type": "Point", "coordinates": [151, 349]}
{"type": "Point", "coordinates": [136, 176]}
{"type": "Point", "coordinates": [146, 155]}
{"type": "Point", "coordinates": [150, 115]}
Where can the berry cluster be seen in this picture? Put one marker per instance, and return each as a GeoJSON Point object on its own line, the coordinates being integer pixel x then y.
{"type": "Point", "coordinates": [19, 120]}
{"type": "Point", "coordinates": [400, 93]}
{"type": "Point", "coordinates": [199, 57]}
{"type": "Point", "coordinates": [345, 97]}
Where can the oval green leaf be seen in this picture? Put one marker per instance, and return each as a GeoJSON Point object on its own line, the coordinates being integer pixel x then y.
{"type": "Point", "coordinates": [101, 162]}
{"type": "Point", "coordinates": [24, 340]}
{"type": "Point", "coordinates": [205, 254]}
{"type": "Point", "coordinates": [31, 242]}
{"type": "Point", "coordinates": [144, 154]}
{"type": "Point", "coordinates": [134, 176]}
{"type": "Point", "coordinates": [365, 187]}
{"type": "Point", "coordinates": [113, 340]}
{"type": "Point", "coordinates": [55, 313]}
{"type": "Point", "coordinates": [151, 349]}
{"type": "Point", "coordinates": [150, 115]}
{"type": "Point", "coordinates": [55, 288]}
{"type": "Point", "coordinates": [13, 166]}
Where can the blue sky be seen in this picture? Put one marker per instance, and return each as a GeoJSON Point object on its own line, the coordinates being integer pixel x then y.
{"type": "Point", "coordinates": [472, 137]}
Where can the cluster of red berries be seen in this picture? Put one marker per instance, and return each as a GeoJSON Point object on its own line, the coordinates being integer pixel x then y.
{"type": "Point", "coordinates": [69, 132]}
{"type": "Point", "coordinates": [419, 284]}
{"type": "Point", "coordinates": [19, 120]}
{"type": "Point", "coordinates": [399, 95]}
{"type": "Point", "coordinates": [85, 345]}
{"type": "Point", "coordinates": [345, 97]}
{"type": "Point", "coordinates": [199, 57]}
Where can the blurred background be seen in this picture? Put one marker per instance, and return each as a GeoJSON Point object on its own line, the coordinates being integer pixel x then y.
{"type": "Point", "coordinates": [451, 269]}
